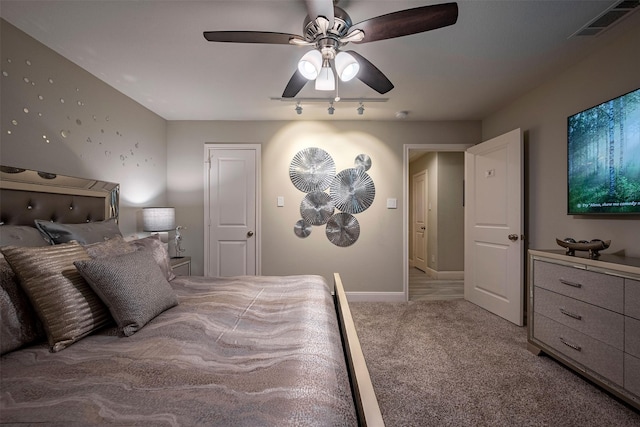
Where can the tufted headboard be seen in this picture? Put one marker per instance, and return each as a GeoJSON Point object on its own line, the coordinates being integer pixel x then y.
{"type": "Point", "coordinates": [26, 195]}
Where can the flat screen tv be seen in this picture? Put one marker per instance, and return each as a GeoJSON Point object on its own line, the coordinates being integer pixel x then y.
{"type": "Point", "coordinates": [603, 168]}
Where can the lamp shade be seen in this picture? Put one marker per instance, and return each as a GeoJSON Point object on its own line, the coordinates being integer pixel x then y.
{"type": "Point", "coordinates": [158, 219]}
{"type": "Point", "coordinates": [326, 79]}
{"type": "Point", "coordinates": [346, 66]}
{"type": "Point", "coordinates": [310, 64]}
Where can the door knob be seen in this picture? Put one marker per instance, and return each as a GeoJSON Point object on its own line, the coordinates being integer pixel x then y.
{"type": "Point", "coordinates": [513, 237]}
{"type": "Point", "coordinates": [249, 233]}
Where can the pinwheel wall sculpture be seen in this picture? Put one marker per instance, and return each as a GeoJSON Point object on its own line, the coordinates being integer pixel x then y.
{"type": "Point", "coordinates": [351, 191]}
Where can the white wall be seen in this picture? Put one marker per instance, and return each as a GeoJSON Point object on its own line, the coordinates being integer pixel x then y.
{"type": "Point", "coordinates": [542, 114]}
{"type": "Point", "coordinates": [374, 262]}
{"type": "Point", "coordinates": [63, 120]}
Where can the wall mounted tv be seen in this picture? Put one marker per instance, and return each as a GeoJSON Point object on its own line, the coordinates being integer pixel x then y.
{"type": "Point", "coordinates": [603, 170]}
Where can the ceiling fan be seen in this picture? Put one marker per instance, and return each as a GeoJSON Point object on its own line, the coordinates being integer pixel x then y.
{"type": "Point", "coordinates": [328, 29]}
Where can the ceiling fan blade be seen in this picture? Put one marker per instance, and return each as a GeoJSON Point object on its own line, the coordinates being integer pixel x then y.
{"type": "Point", "coordinates": [370, 75]}
{"type": "Point", "coordinates": [295, 85]}
{"type": "Point", "coordinates": [250, 37]}
{"type": "Point", "coordinates": [317, 8]}
{"type": "Point", "coordinates": [408, 21]}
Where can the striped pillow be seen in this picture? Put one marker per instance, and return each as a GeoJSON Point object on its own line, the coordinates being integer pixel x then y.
{"type": "Point", "coordinates": [66, 305]}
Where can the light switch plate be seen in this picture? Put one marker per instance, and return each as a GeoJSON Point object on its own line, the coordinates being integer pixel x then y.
{"type": "Point", "coordinates": [392, 203]}
{"type": "Point", "coordinates": [280, 201]}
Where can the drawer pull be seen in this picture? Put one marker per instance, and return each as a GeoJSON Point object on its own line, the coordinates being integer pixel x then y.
{"type": "Point", "coordinates": [568, 344]}
{"type": "Point", "coordinates": [568, 283]}
{"type": "Point", "coordinates": [570, 314]}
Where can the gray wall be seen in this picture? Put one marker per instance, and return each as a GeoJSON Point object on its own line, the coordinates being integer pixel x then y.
{"type": "Point", "coordinates": [542, 115]}
{"type": "Point", "coordinates": [374, 262]}
{"type": "Point", "coordinates": [69, 122]}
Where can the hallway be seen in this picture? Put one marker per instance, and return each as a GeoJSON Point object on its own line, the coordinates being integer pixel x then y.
{"type": "Point", "coordinates": [423, 288]}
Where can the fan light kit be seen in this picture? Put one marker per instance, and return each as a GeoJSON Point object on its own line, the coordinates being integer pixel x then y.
{"type": "Point", "coordinates": [328, 29]}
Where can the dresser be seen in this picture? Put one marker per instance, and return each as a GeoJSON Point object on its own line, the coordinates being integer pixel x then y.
{"type": "Point", "coordinates": [585, 313]}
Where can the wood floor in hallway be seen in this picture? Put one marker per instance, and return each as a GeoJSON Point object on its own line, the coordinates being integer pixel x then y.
{"type": "Point", "coordinates": [424, 288]}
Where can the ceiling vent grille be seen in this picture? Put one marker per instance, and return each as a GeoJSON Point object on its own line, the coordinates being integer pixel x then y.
{"type": "Point", "coordinates": [608, 18]}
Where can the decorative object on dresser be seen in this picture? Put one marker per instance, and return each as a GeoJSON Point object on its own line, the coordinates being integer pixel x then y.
{"type": "Point", "coordinates": [593, 247]}
{"type": "Point", "coordinates": [585, 313]}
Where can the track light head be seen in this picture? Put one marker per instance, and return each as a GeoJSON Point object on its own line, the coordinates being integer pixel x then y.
{"type": "Point", "coordinates": [361, 109]}
{"type": "Point", "coordinates": [298, 108]}
{"type": "Point", "coordinates": [331, 109]}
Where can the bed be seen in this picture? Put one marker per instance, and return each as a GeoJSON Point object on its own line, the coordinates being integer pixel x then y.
{"type": "Point", "coordinates": [115, 338]}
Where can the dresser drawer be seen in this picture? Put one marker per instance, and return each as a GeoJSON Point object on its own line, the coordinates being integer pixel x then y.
{"type": "Point", "coordinates": [632, 374]}
{"type": "Point", "coordinates": [598, 323]}
{"type": "Point", "coordinates": [595, 288]}
{"type": "Point", "coordinates": [632, 336]}
{"type": "Point", "coordinates": [632, 298]}
{"type": "Point", "coordinates": [589, 352]}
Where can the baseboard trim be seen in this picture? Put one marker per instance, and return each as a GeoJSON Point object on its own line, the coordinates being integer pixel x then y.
{"type": "Point", "coordinates": [376, 297]}
{"type": "Point", "coordinates": [445, 275]}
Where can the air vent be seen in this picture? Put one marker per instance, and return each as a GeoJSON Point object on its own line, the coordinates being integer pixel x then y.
{"type": "Point", "coordinates": [608, 18]}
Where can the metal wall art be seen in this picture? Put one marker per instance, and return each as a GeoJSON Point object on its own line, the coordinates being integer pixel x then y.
{"type": "Point", "coordinates": [316, 208]}
{"type": "Point", "coordinates": [351, 191]}
{"type": "Point", "coordinates": [343, 229]}
{"type": "Point", "coordinates": [302, 229]}
{"type": "Point", "coordinates": [312, 169]}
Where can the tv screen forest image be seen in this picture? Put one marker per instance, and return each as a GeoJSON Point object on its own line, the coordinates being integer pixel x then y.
{"type": "Point", "coordinates": [604, 157]}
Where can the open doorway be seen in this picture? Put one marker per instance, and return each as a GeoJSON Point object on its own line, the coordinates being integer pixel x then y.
{"type": "Point", "coordinates": [434, 221]}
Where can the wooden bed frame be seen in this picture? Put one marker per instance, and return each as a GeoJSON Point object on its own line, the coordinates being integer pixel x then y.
{"type": "Point", "coordinates": [363, 394]}
{"type": "Point", "coordinates": [28, 195]}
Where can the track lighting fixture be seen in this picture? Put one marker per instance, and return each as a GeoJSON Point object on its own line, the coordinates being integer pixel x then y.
{"type": "Point", "coordinates": [331, 109]}
{"type": "Point", "coordinates": [360, 109]}
{"type": "Point", "coordinates": [298, 108]}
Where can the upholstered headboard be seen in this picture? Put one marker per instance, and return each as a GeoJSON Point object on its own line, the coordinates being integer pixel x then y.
{"type": "Point", "coordinates": [27, 195]}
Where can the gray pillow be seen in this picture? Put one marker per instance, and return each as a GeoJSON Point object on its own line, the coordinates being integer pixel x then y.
{"type": "Point", "coordinates": [65, 303]}
{"type": "Point", "coordinates": [85, 233]}
{"type": "Point", "coordinates": [112, 247]}
{"type": "Point", "coordinates": [21, 235]}
{"type": "Point", "coordinates": [153, 245]}
{"type": "Point", "coordinates": [132, 286]}
{"type": "Point", "coordinates": [19, 325]}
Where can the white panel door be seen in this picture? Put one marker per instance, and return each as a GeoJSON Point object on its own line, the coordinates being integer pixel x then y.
{"type": "Point", "coordinates": [493, 261]}
{"type": "Point", "coordinates": [420, 221]}
{"type": "Point", "coordinates": [230, 212]}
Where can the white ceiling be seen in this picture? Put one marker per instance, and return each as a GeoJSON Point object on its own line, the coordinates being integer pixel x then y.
{"type": "Point", "coordinates": [153, 51]}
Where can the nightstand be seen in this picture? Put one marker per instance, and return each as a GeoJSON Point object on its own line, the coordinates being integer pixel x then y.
{"type": "Point", "coordinates": [181, 266]}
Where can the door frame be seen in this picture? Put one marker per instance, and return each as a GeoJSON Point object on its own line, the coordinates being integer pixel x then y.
{"type": "Point", "coordinates": [425, 213]}
{"type": "Point", "coordinates": [258, 228]}
{"type": "Point", "coordinates": [405, 202]}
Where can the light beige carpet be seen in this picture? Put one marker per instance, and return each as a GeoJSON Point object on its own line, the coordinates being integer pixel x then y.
{"type": "Point", "coordinates": [451, 363]}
